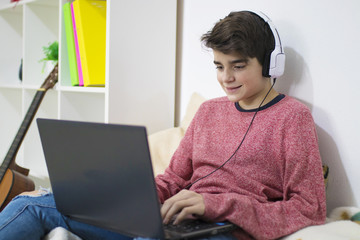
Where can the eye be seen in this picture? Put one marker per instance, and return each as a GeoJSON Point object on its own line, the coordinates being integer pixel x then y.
{"type": "Point", "coordinates": [239, 67]}
{"type": "Point", "coordinates": [219, 67]}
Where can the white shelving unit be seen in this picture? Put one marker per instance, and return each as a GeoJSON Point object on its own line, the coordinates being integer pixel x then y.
{"type": "Point", "coordinates": [140, 71]}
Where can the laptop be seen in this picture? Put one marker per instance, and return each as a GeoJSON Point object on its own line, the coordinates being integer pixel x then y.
{"type": "Point", "coordinates": [101, 174]}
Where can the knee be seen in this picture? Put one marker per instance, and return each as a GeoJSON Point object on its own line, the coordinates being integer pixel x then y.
{"type": "Point", "coordinates": [25, 209]}
{"type": "Point", "coordinates": [20, 218]}
{"type": "Point", "coordinates": [22, 202]}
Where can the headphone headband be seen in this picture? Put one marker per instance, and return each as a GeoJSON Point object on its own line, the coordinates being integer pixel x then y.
{"type": "Point", "coordinates": [276, 62]}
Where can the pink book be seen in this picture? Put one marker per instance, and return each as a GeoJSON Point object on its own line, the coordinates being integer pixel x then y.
{"type": "Point", "coordinates": [78, 60]}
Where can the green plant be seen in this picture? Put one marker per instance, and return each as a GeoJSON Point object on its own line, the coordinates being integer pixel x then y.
{"type": "Point", "coordinates": [51, 53]}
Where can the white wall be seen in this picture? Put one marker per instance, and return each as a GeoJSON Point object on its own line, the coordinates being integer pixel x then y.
{"type": "Point", "coordinates": [322, 45]}
{"type": "Point", "coordinates": [141, 52]}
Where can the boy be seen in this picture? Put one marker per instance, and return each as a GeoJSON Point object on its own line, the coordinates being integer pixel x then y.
{"type": "Point", "coordinates": [251, 157]}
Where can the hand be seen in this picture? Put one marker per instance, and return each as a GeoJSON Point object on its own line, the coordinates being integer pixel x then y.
{"type": "Point", "coordinates": [185, 203]}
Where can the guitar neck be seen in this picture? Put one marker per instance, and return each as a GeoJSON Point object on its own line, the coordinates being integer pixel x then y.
{"type": "Point", "coordinates": [15, 146]}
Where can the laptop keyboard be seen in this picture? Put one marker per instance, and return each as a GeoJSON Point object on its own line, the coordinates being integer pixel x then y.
{"type": "Point", "coordinates": [188, 226]}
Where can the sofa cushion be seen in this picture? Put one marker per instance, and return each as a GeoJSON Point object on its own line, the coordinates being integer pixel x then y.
{"type": "Point", "coordinates": [163, 144]}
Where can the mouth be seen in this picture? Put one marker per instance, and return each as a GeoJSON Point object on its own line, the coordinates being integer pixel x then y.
{"type": "Point", "coordinates": [232, 89]}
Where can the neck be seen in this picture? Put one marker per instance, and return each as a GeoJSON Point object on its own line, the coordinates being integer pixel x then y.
{"type": "Point", "coordinates": [254, 101]}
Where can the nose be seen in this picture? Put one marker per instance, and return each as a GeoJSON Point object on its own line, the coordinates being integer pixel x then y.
{"type": "Point", "coordinates": [227, 76]}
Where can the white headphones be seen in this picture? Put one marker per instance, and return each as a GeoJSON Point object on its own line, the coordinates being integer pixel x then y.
{"type": "Point", "coordinates": [273, 67]}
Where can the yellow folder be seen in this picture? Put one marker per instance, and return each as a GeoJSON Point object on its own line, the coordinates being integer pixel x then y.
{"type": "Point", "coordinates": [90, 17]}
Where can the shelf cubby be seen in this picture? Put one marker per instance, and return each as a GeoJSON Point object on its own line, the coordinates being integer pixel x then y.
{"type": "Point", "coordinates": [11, 45]}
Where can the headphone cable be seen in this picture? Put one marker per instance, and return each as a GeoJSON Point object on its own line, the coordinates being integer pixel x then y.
{"type": "Point", "coordinates": [237, 149]}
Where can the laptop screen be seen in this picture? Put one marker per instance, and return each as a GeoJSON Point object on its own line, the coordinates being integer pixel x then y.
{"type": "Point", "coordinates": [101, 174]}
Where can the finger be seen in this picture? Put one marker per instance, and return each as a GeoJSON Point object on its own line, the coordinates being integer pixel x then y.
{"type": "Point", "coordinates": [168, 204]}
{"type": "Point", "coordinates": [195, 208]}
{"type": "Point", "coordinates": [186, 213]}
{"type": "Point", "coordinates": [175, 204]}
{"type": "Point", "coordinates": [182, 195]}
{"type": "Point", "coordinates": [173, 209]}
{"type": "Point", "coordinates": [186, 209]}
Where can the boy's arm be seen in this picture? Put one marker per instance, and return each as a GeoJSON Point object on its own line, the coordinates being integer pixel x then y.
{"type": "Point", "coordinates": [179, 171]}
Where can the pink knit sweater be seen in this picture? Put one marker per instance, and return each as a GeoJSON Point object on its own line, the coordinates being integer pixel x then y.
{"type": "Point", "coordinates": [272, 187]}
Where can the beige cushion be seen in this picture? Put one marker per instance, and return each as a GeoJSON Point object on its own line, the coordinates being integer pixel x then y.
{"type": "Point", "coordinates": [195, 101]}
{"type": "Point", "coordinates": [164, 143]}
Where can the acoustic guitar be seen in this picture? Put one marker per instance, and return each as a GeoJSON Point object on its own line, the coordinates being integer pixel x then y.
{"type": "Point", "coordinates": [13, 178]}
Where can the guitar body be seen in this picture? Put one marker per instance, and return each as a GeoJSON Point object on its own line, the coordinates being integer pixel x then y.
{"type": "Point", "coordinates": [13, 178]}
{"type": "Point", "coordinates": [15, 167]}
{"type": "Point", "coordinates": [12, 185]}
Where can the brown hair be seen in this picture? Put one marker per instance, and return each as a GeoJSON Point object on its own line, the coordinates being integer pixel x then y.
{"type": "Point", "coordinates": [244, 33]}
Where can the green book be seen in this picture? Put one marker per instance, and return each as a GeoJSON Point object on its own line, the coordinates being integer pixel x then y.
{"type": "Point", "coordinates": [70, 44]}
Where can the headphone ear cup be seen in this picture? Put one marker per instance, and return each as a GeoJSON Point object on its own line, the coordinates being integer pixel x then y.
{"type": "Point", "coordinates": [266, 65]}
{"type": "Point", "coordinates": [274, 61]}
{"type": "Point", "coordinates": [280, 66]}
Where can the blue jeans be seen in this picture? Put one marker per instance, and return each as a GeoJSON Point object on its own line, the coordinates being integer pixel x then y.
{"type": "Point", "coordinates": [27, 217]}
{"type": "Point", "coordinates": [31, 218]}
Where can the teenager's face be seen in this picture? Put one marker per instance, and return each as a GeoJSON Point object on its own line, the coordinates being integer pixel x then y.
{"type": "Point", "coordinates": [241, 78]}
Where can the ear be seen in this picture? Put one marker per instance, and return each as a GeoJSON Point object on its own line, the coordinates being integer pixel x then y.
{"type": "Point", "coordinates": [266, 65]}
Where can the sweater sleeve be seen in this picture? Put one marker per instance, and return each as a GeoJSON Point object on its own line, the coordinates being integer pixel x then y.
{"type": "Point", "coordinates": [178, 174]}
{"type": "Point", "coordinates": [303, 201]}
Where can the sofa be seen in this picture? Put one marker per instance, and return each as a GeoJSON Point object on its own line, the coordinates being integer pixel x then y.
{"type": "Point", "coordinates": [340, 224]}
